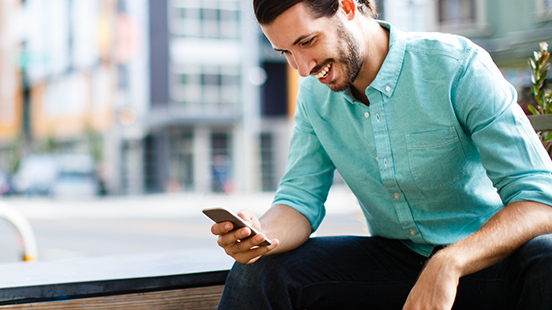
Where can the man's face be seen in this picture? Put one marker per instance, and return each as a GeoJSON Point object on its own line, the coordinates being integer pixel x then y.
{"type": "Point", "coordinates": [322, 47]}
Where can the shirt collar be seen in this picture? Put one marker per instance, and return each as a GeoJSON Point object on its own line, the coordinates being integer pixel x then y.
{"type": "Point", "coordinates": [388, 75]}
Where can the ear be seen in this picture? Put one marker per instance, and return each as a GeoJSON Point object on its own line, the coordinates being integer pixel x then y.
{"type": "Point", "coordinates": [349, 7]}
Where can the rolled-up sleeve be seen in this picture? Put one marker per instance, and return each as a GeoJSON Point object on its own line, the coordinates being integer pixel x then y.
{"type": "Point", "coordinates": [511, 152]}
{"type": "Point", "coordinates": [309, 171]}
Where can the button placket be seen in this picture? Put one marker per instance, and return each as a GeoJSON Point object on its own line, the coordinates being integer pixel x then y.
{"type": "Point", "coordinates": [386, 165]}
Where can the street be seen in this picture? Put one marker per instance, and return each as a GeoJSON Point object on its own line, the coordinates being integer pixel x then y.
{"type": "Point", "coordinates": [67, 229]}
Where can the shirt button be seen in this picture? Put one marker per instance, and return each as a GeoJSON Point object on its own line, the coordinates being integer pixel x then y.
{"type": "Point", "coordinates": [412, 232]}
{"type": "Point", "coordinates": [377, 117]}
{"type": "Point", "coordinates": [396, 196]}
{"type": "Point", "coordinates": [367, 115]}
{"type": "Point", "coordinates": [388, 88]}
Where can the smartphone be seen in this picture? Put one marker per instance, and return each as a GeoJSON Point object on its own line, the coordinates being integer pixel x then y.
{"type": "Point", "coordinates": [222, 214]}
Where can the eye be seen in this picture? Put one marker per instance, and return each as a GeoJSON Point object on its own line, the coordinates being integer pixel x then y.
{"type": "Point", "coordinates": [307, 42]}
{"type": "Point", "coordinates": [283, 52]}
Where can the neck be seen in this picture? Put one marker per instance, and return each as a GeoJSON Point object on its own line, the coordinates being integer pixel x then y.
{"type": "Point", "coordinates": [376, 47]}
{"type": "Point", "coordinates": [360, 95]}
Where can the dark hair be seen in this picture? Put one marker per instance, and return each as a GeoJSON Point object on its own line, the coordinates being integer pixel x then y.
{"type": "Point", "coordinates": [266, 11]}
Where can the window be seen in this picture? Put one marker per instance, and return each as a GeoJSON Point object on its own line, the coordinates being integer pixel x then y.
{"type": "Point", "coordinates": [457, 12]}
{"type": "Point", "coordinates": [460, 15]}
{"type": "Point", "coordinates": [206, 18]}
{"type": "Point", "coordinates": [181, 172]}
{"type": "Point", "coordinates": [268, 179]}
{"type": "Point", "coordinates": [545, 7]}
{"type": "Point", "coordinates": [207, 88]}
{"type": "Point", "coordinates": [221, 163]}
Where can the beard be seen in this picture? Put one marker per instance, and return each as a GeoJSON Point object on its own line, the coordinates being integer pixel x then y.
{"type": "Point", "coordinates": [348, 55]}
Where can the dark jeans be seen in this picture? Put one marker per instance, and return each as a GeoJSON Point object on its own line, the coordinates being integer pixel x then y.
{"type": "Point", "coordinates": [374, 273]}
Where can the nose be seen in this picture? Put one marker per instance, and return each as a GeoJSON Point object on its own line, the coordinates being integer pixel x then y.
{"type": "Point", "coordinates": [302, 63]}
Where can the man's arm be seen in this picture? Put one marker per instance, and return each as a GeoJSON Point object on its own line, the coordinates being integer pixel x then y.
{"type": "Point", "coordinates": [286, 227]}
{"type": "Point", "coordinates": [509, 229]}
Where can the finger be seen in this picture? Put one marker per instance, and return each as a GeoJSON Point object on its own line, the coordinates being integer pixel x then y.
{"type": "Point", "coordinates": [246, 215]}
{"type": "Point", "coordinates": [232, 238]}
{"type": "Point", "coordinates": [246, 246]}
{"type": "Point", "coordinates": [255, 253]}
{"type": "Point", "coordinates": [221, 228]}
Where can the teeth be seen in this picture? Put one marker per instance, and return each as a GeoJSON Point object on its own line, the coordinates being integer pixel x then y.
{"type": "Point", "coordinates": [324, 72]}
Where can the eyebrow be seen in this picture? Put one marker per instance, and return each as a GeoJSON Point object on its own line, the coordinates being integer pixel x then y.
{"type": "Point", "coordinates": [301, 38]}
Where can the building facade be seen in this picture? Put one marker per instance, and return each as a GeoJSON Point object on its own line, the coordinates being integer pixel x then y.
{"type": "Point", "coordinates": [210, 128]}
{"type": "Point", "coordinates": [73, 74]}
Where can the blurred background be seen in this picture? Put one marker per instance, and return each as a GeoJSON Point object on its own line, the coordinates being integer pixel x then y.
{"type": "Point", "coordinates": [110, 104]}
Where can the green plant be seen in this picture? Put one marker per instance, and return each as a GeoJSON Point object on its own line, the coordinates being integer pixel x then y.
{"type": "Point", "coordinates": [539, 67]}
{"type": "Point", "coordinates": [539, 71]}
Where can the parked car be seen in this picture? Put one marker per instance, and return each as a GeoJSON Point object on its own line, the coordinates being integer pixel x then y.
{"type": "Point", "coordinates": [76, 177]}
{"type": "Point", "coordinates": [35, 175]}
{"type": "Point", "coordinates": [57, 175]}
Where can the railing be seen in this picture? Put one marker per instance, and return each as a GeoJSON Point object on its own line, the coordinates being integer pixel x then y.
{"type": "Point", "coordinates": [24, 230]}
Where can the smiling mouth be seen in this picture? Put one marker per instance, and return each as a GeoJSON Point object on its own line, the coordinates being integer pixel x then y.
{"type": "Point", "coordinates": [324, 72]}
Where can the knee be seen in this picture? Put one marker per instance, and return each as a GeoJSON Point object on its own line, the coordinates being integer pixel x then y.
{"type": "Point", "coordinates": [537, 249]}
{"type": "Point", "coordinates": [533, 283]}
{"type": "Point", "coordinates": [535, 258]}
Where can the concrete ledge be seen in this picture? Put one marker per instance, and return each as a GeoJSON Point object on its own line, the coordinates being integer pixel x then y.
{"type": "Point", "coordinates": [112, 275]}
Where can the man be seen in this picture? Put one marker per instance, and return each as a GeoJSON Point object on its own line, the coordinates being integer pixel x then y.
{"type": "Point", "coordinates": [454, 184]}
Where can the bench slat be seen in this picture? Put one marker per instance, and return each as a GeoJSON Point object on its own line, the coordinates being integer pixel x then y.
{"type": "Point", "coordinates": [201, 298]}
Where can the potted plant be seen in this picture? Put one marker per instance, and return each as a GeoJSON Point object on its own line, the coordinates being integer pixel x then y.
{"type": "Point", "coordinates": [542, 112]}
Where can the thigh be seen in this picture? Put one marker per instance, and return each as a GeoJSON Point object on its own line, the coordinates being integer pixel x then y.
{"type": "Point", "coordinates": [521, 281]}
{"type": "Point", "coordinates": [348, 272]}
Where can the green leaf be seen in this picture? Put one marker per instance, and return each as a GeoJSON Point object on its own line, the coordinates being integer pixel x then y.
{"type": "Point", "coordinates": [540, 100]}
{"type": "Point", "coordinates": [532, 64]}
{"type": "Point", "coordinates": [532, 109]}
{"type": "Point", "coordinates": [545, 56]}
{"type": "Point", "coordinates": [534, 90]}
{"type": "Point", "coordinates": [548, 137]}
{"type": "Point", "coordinates": [541, 79]}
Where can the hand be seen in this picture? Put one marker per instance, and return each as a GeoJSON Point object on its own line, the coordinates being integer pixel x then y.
{"type": "Point", "coordinates": [436, 287]}
{"type": "Point", "coordinates": [243, 251]}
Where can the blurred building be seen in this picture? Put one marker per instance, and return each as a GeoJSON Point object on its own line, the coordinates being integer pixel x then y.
{"type": "Point", "coordinates": [10, 77]}
{"type": "Point", "coordinates": [73, 73]}
{"type": "Point", "coordinates": [167, 95]}
{"type": "Point", "coordinates": [211, 127]}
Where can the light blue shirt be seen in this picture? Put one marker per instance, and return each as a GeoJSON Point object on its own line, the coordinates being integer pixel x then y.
{"type": "Point", "coordinates": [441, 148]}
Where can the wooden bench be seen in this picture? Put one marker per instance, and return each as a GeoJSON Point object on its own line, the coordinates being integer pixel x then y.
{"type": "Point", "coordinates": [175, 280]}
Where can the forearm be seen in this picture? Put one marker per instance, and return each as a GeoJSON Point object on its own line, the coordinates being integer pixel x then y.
{"type": "Point", "coordinates": [508, 230]}
{"type": "Point", "coordinates": [286, 224]}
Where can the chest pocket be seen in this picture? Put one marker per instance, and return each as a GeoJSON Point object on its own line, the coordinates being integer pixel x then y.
{"type": "Point", "coordinates": [436, 158]}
